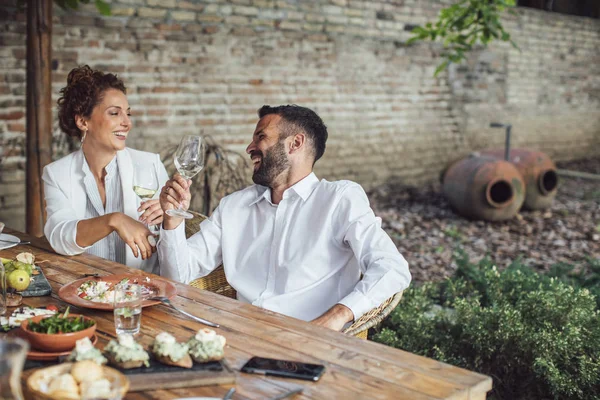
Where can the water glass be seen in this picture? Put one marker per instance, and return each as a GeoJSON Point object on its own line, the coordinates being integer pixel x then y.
{"type": "Point", "coordinates": [128, 308]}
{"type": "Point", "coordinates": [12, 357]}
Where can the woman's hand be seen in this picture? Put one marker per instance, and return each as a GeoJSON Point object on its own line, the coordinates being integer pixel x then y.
{"type": "Point", "coordinates": [152, 213]}
{"type": "Point", "coordinates": [134, 234]}
{"type": "Point", "coordinates": [174, 194]}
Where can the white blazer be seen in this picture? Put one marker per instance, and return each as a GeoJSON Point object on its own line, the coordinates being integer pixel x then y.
{"type": "Point", "coordinates": [66, 200]}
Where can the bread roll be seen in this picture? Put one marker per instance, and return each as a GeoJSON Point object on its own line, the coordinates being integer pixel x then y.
{"type": "Point", "coordinates": [86, 370]}
{"type": "Point", "coordinates": [63, 387]}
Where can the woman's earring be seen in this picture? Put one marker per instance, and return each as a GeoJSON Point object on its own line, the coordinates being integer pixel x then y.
{"type": "Point", "coordinates": [83, 136]}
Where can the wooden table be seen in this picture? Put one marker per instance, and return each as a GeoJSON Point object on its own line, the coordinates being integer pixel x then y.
{"type": "Point", "coordinates": [355, 368]}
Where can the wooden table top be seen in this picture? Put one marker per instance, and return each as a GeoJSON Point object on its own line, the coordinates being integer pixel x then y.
{"type": "Point", "coordinates": [355, 368]}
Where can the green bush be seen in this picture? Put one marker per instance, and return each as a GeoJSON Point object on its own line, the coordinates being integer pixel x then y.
{"type": "Point", "coordinates": [535, 335]}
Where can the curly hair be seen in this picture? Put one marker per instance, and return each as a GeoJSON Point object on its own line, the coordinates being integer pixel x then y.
{"type": "Point", "coordinates": [303, 119]}
{"type": "Point", "coordinates": [84, 91]}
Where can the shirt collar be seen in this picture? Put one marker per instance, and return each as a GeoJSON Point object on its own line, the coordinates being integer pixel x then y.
{"type": "Point", "coordinates": [111, 168]}
{"type": "Point", "coordinates": [302, 188]}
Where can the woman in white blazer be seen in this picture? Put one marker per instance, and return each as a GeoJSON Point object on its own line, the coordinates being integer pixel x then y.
{"type": "Point", "coordinates": [90, 203]}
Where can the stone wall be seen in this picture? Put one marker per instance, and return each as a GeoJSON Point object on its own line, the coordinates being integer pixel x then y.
{"type": "Point", "coordinates": [207, 66]}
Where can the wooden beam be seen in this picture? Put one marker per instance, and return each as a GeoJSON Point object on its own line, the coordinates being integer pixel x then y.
{"type": "Point", "coordinates": [39, 109]}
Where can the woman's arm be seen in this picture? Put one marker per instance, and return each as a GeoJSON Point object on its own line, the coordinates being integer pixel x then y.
{"type": "Point", "coordinates": [70, 236]}
{"type": "Point", "coordinates": [133, 233]}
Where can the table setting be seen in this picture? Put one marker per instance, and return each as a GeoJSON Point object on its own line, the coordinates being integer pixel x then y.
{"type": "Point", "coordinates": [352, 368]}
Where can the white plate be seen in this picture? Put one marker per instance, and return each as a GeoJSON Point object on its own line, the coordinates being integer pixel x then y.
{"type": "Point", "coordinates": [6, 236]}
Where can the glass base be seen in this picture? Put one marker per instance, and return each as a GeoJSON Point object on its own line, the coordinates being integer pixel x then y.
{"type": "Point", "coordinates": [13, 299]}
{"type": "Point", "coordinates": [180, 214]}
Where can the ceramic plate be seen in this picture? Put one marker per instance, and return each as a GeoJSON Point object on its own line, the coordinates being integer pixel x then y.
{"type": "Point", "coordinates": [10, 238]}
{"type": "Point", "coordinates": [160, 287]}
{"type": "Point", "coordinates": [38, 355]}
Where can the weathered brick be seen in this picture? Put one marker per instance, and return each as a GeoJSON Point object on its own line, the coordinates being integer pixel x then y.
{"type": "Point", "coordinates": [122, 11]}
{"type": "Point", "coordinates": [287, 25]}
{"type": "Point", "coordinates": [248, 11]}
{"type": "Point", "coordinates": [237, 20]}
{"type": "Point", "coordinates": [183, 15]}
{"type": "Point", "coordinates": [162, 3]}
{"type": "Point", "coordinates": [188, 5]}
{"type": "Point", "coordinates": [146, 12]}
{"type": "Point", "coordinates": [209, 18]}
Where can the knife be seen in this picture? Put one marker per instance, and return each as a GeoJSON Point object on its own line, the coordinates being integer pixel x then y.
{"type": "Point", "coordinates": [11, 242]}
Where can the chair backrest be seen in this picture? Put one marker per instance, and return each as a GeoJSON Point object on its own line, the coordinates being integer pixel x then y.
{"type": "Point", "coordinates": [361, 326]}
{"type": "Point", "coordinates": [193, 225]}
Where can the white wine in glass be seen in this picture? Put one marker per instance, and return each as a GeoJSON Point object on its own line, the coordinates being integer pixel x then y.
{"type": "Point", "coordinates": [189, 160]}
{"type": "Point", "coordinates": [143, 193]}
{"type": "Point", "coordinates": [145, 185]}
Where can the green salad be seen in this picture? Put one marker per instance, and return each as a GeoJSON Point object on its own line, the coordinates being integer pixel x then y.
{"type": "Point", "coordinates": [60, 323]}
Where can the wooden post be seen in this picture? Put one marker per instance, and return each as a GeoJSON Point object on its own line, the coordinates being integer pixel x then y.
{"type": "Point", "coordinates": [39, 108]}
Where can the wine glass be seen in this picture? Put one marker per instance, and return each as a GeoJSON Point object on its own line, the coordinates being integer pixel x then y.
{"type": "Point", "coordinates": [145, 185]}
{"type": "Point", "coordinates": [13, 352]}
{"type": "Point", "coordinates": [189, 160]}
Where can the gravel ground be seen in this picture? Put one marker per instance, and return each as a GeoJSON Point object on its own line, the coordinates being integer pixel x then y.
{"type": "Point", "coordinates": [427, 231]}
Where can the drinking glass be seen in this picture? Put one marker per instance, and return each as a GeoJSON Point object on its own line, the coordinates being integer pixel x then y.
{"type": "Point", "coordinates": [128, 308]}
{"type": "Point", "coordinates": [12, 357]}
{"type": "Point", "coordinates": [145, 185]}
{"type": "Point", "coordinates": [189, 160]}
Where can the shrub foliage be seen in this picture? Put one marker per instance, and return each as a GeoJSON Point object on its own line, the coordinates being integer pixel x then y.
{"type": "Point", "coordinates": [537, 336]}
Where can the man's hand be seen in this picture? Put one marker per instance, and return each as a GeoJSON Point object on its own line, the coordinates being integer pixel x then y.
{"type": "Point", "coordinates": [174, 194]}
{"type": "Point", "coordinates": [335, 318]}
{"type": "Point", "coordinates": [152, 213]}
{"type": "Point", "coordinates": [134, 233]}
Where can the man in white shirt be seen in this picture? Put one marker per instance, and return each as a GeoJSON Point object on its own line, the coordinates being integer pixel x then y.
{"type": "Point", "coordinates": [291, 243]}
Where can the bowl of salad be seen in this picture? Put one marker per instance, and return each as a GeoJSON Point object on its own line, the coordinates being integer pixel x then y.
{"type": "Point", "coordinates": [59, 332]}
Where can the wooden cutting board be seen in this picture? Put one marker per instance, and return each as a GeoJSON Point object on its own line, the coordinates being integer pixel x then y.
{"type": "Point", "coordinates": [160, 376]}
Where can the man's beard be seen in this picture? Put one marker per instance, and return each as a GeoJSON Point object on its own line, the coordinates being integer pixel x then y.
{"type": "Point", "coordinates": [271, 165]}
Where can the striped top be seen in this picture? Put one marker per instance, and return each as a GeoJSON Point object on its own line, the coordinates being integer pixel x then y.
{"type": "Point", "coordinates": [111, 247]}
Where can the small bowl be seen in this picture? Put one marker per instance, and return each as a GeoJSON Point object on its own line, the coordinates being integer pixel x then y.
{"type": "Point", "coordinates": [55, 342]}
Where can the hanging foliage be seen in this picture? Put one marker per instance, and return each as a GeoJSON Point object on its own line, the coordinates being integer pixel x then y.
{"type": "Point", "coordinates": [464, 25]}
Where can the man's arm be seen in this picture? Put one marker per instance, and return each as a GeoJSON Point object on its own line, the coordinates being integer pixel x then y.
{"type": "Point", "coordinates": [385, 272]}
{"type": "Point", "coordinates": [180, 259]}
{"type": "Point", "coordinates": [335, 318]}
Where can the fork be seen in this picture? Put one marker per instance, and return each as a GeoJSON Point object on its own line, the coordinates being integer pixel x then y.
{"type": "Point", "coordinates": [167, 302]}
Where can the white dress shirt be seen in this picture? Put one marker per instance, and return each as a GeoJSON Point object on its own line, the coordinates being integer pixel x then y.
{"type": "Point", "coordinates": [111, 247]}
{"type": "Point", "coordinates": [299, 257]}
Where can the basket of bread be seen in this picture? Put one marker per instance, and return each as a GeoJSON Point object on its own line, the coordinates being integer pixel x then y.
{"type": "Point", "coordinates": [74, 381]}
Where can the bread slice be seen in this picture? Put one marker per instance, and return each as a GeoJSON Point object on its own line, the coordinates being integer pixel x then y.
{"type": "Point", "coordinates": [185, 362]}
{"type": "Point", "coordinates": [124, 364]}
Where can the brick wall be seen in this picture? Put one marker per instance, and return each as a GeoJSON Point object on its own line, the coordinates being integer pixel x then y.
{"type": "Point", "coordinates": [206, 66]}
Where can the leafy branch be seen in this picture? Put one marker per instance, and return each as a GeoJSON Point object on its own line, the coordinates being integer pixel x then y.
{"type": "Point", "coordinates": [102, 6]}
{"type": "Point", "coordinates": [463, 25]}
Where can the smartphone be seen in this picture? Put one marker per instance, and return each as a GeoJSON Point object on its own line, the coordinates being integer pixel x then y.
{"type": "Point", "coordinates": [283, 368]}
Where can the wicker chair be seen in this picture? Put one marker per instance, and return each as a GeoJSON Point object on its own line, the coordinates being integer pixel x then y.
{"type": "Point", "coordinates": [217, 283]}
